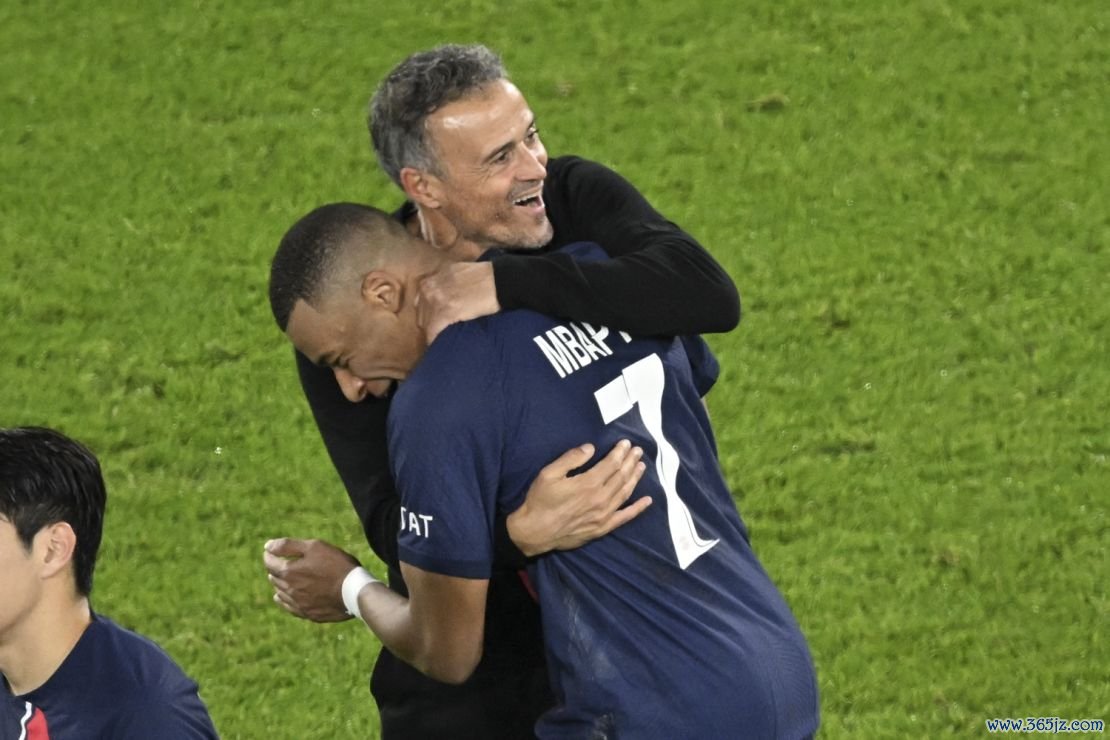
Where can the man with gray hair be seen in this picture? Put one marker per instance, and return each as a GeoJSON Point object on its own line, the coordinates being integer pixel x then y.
{"type": "Point", "coordinates": [460, 140]}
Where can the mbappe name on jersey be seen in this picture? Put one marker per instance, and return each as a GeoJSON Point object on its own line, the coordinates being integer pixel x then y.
{"type": "Point", "coordinates": [574, 345]}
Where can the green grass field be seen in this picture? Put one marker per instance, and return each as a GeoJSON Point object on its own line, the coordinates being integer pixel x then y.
{"type": "Point", "coordinates": [914, 413]}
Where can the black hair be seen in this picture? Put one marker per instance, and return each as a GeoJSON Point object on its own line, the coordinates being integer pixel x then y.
{"type": "Point", "coordinates": [46, 478]}
{"type": "Point", "coordinates": [303, 263]}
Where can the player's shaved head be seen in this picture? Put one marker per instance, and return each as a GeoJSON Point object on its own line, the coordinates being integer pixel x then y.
{"type": "Point", "coordinates": [331, 249]}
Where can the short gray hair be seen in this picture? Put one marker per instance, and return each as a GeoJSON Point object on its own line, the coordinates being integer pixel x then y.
{"type": "Point", "coordinates": [416, 88]}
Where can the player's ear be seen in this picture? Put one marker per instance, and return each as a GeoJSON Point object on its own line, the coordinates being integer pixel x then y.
{"type": "Point", "coordinates": [421, 187]}
{"type": "Point", "coordinates": [54, 545]}
{"type": "Point", "coordinates": [381, 289]}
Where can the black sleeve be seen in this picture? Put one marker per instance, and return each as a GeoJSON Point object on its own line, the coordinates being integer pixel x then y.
{"type": "Point", "coordinates": [660, 280]}
{"type": "Point", "coordinates": [355, 437]}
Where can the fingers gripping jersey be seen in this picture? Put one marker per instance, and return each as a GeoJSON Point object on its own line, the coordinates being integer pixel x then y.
{"type": "Point", "coordinates": [666, 628]}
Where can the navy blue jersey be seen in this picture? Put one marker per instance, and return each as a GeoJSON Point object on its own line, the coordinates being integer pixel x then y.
{"type": "Point", "coordinates": [666, 628]}
{"type": "Point", "coordinates": [113, 684]}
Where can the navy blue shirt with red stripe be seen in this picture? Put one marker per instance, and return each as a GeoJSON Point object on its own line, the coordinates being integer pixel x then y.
{"type": "Point", "coordinates": [114, 684]}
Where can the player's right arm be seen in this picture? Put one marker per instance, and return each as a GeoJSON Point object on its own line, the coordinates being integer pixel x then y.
{"type": "Point", "coordinates": [658, 281]}
{"type": "Point", "coordinates": [438, 630]}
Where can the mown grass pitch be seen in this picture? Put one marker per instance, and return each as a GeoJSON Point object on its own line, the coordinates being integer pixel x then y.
{"type": "Point", "coordinates": [913, 413]}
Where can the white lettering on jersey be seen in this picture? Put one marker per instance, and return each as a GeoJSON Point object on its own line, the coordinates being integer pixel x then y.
{"type": "Point", "coordinates": [575, 345]}
{"type": "Point", "coordinates": [419, 524]}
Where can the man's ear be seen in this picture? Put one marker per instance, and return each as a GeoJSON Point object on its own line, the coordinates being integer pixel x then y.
{"type": "Point", "coordinates": [55, 544]}
{"type": "Point", "coordinates": [382, 289]}
{"type": "Point", "coordinates": [422, 188]}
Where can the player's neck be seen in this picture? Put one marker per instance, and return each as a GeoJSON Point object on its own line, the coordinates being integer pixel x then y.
{"type": "Point", "coordinates": [32, 650]}
{"type": "Point", "coordinates": [442, 234]}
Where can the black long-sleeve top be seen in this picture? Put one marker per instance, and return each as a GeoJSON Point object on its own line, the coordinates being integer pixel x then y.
{"type": "Point", "coordinates": [660, 281]}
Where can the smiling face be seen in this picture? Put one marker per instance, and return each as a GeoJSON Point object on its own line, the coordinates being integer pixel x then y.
{"type": "Point", "coordinates": [370, 341]}
{"type": "Point", "coordinates": [492, 169]}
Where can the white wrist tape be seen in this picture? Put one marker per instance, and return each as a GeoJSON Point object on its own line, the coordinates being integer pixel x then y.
{"type": "Point", "coordinates": [352, 585]}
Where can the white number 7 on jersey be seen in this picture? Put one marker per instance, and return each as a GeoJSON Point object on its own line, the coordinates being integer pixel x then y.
{"type": "Point", "coordinates": [642, 383]}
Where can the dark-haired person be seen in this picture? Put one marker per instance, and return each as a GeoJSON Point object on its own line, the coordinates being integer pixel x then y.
{"type": "Point", "coordinates": [67, 672]}
{"type": "Point", "coordinates": [460, 140]}
{"type": "Point", "coordinates": [668, 627]}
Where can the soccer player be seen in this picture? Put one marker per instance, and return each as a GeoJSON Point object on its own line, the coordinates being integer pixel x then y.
{"type": "Point", "coordinates": [66, 672]}
{"type": "Point", "coordinates": [461, 142]}
{"type": "Point", "coordinates": [668, 626]}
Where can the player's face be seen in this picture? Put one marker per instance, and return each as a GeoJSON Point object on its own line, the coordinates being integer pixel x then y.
{"type": "Point", "coordinates": [369, 349]}
{"type": "Point", "coordinates": [19, 582]}
{"type": "Point", "coordinates": [493, 165]}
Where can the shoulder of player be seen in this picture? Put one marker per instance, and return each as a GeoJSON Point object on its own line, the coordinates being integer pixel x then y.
{"type": "Point", "coordinates": [159, 715]}
{"type": "Point", "coordinates": [575, 192]}
{"type": "Point", "coordinates": [571, 165]}
{"type": "Point", "coordinates": [465, 361]}
{"type": "Point", "coordinates": [458, 362]}
{"type": "Point", "coordinates": [137, 663]}
{"type": "Point", "coordinates": [568, 173]}
{"type": "Point", "coordinates": [138, 687]}
{"type": "Point", "coordinates": [456, 344]}
{"type": "Point", "coordinates": [471, 342]}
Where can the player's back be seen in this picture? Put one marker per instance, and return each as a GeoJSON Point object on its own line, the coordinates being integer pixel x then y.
{"type": "Point", "coordinates": [668, 627]}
